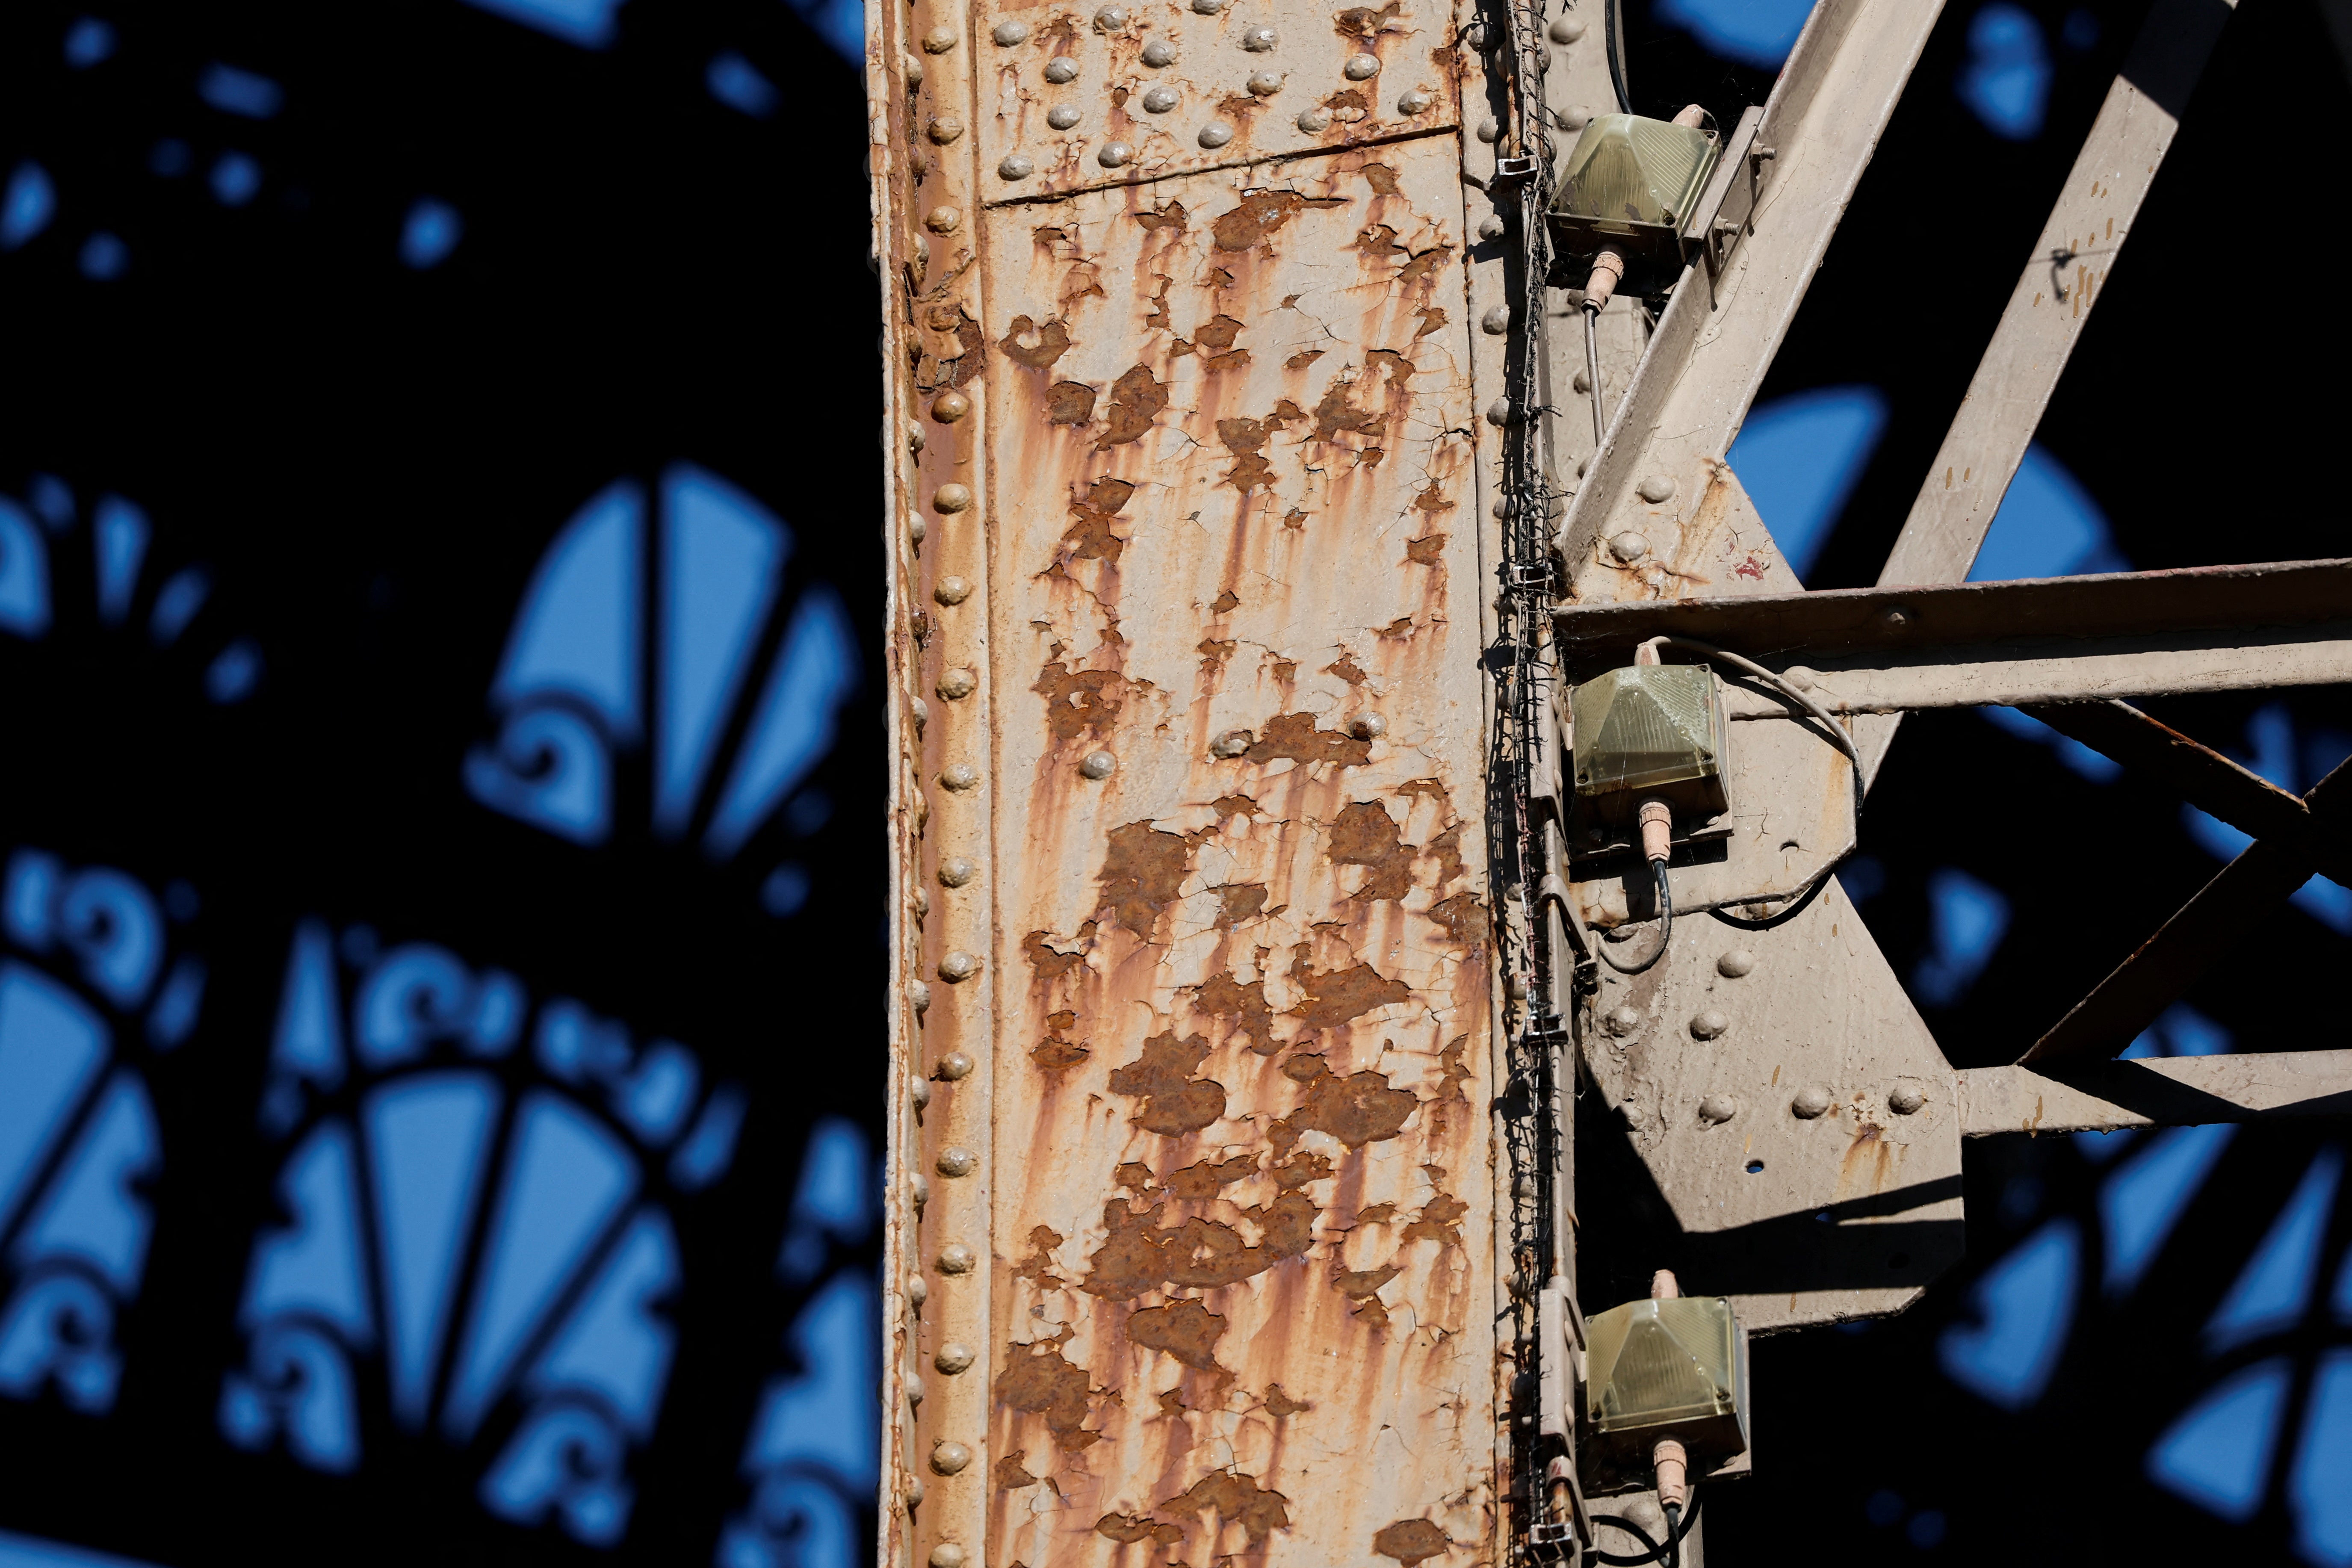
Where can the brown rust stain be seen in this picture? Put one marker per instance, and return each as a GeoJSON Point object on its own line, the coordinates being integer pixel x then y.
{"type": "Point", "coordinates": [1053, 343]}
{"type": "Point", "coordinates": [1092, 536]}
{"type": "Point", "coordinates": [1128, 1528]}
{"type": "Point", "coordinates": [1050, 964]}
{"type": "Point", "coordinates": [1359, 1108]}
{"type": "Point", "coordinates": [1225, 601]}
{"type": "Point", "coordinates": [1079, 701]}
{"type": "Point", "coordinates": [1293, 737]}
{"type": "Point", "coordinates": [1262, 213]}
{"type": "Point", "coordinates": [1171, 216]}
{"type": "Point", "coordinates": [1010, 1475]}
{"type": "Point", "coordinates": [1869, 1163]}
{"type": "Point", "coordinates": [1141, 871]}
{"type": "Point", "coordinates": [1381, 178]}
{"type": "Point", "coordinates": [1037, 1380]}
{"type": "Point", "coordinates": [1246, 439]}
{"type": "Point", "coordinates": [1363, 22]}
{"type": "Point", "coordinates": [1279, 1404]}
{"type": "Point", "coordinates": [1039, 1264]}
{"type": "Point", "coordinates": [1410, 1541]}
{"type": "Point", "coordinates": [1069, 403]}
{"type": "Point", "coordinates": [1136, 399]}
{"type": "Point", "coordinates": [1235, 1498]}
{"type": "Point", "coordinates": [1239, 901]}
{"type": "Point", "coordinates": [1207, 1178]}
{"type": "Point", "coordinates": [1174, 1101]}
{"type": "Point", "coordinates": [1438, 1221]}
{"type": "Point", "coordinates": [1341, 996]}
{"type": "Point", "coordinates": [1222, 997]}
{"type": "Point", "coordinates": [1138, 1255]}
{"type": "Point", "coordinates": [1184, 1330]}
{"type": "Point", "coordinates": [1366, 834]}
{"type": "Point", "coordinates": [1346, 667]}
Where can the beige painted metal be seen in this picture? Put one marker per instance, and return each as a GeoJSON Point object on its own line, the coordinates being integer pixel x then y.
{"type": "Point", "coordinates": [2165, 1092]}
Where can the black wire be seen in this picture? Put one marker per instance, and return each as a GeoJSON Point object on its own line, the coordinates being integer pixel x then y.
{"type": "Point", "coordinates": [1665, 924]}
{"type": "Point", "coordinates": [1615, 27]}
{"type": "Point", "coordinates": [1658, 1549]}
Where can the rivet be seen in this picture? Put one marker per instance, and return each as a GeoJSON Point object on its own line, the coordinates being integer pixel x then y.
{"type": "Point", "coordinates": [1111, 18]}
{"type": "Point", "coordinates": [947, 1554]}
{"type": "Point", "coordinates": [943, 220]}
{"type": "Point", "coordinates": [1362, 67]}
{"type": "Point", "coordinates": [914, 72]}
{"type": "Point", "coordinates": [1368, 727]}
{"type": "Point", "coordinates": [1716, 1109]}
{"type": "Point", "coordinates": [1016, 166]}
{"type": "Point", "coordinates": [1216, 134]}
{"type": "Point", "coordinates": [955, 1161]}
{"type": "Point", "coordinates": [950, 406]}
{"type": "Point", "coordinates": [958, 966]}
{"type": "Point", "coordinates": [957, 871]}
{"type": "Point", "coordinates": [1655, 488]}
{"type": "Point", "coordinates": [958, 775]}
{"type": "Point", "coordinates": [914, 1387]}
{"type": "Point", "coordinates": [918, 1290]}
{"type": "Point", "coordinates": [1314, 120]}
{"type": "Point", "coordinates": [1501, 509]}
{"type": "Point", "coordinates": [922, 901]}
{"type": "Point", "coordinates": [1114, 154]}
{"type": "Point", "coordinates": [1474, 35]}
{"type": "Point", "coordinates": [1159, 100]}
{"type": "Point", "coordinates": [1565, 30]}
{"type": "Point", "coordinates": [1895, 618]}
{"type": "Point", "coordinates": [1497, 320]}
{"type": "Point", "coordinates": [1011, 33]}
{"type": "Point", "coordinates": [957, 684]}
{"type": "Point", "coordinates": [919, 992]}
{"type": "Point", "coordinates": [1232, 743]}
{"type": "Point", "coordinates": [1575, 117]}
{"type": "Point", "coordinates": [1706, 1025]}
{"type": "Point", "coordinates": [1735, 964]}
{"type": "Point", "coordinates": [1647, 1513]}
{"type": "Point", "coordinates": [955, 1257]}
{"type": "Point", "coordinates": [1257, 40]}
{"type": "Point", "coordinates": [1159, 52]}
{"type": "Point", "coordinates": [955, 1066]}
{"type": "Point", "coordinates": [1061, 69]}
{"type": "Point", "coordinates": [1798, 675]}
{"type": "Point", "coordinates": [1263, 84]}
{"type": "Point", "coordinates": [951, 590]}
{"type": "Point", "coordinates": [947, 1458]}
{"type": "Point", "coordinates": [939, 40]}
{"type": "Point", "coordinates": [1498, 412]}
{"type": "Point", "coordinates": [1415, 103]}
{"type": "Point", "coordinates": [944, 130]}
{"type": "Point", "coordinates": [1809, 1101]}
{"type": "Point", "coordinates": [914, 1493]}
{"type": "Point", "coordinates": [1488, 131]}
{"type": "Point", "coordinates": [1491, 226]}
{"type": "Point", "coordinates": [916, 438]}
{"type": "Point", "coordinates": [1622, 1021]}
{"type": "Point", "coordinates": [953, 1357]}
{"type": "Point", "coordinates": [1208, 8]}
{"type": "Point", "coordinates": [921, 1095]}
{"type": "Point", "coordinates": [1906, 1099]}
{"type": "Point", "coordinates": [1097, 764]}
{"type": "Point", "coordinates": [917, 530]}
{"type": "Point", "coordinates": [1629, 547]}
{"type": "Point", "coordinates": [950, 497]}
{"type": "Point", "coordinates": [1062, 116]}
{"type": "Point", "coordinates": [1581, 380]}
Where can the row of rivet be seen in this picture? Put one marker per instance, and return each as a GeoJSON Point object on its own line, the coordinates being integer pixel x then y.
{"type": "Point", "coordinates": [1114, 154]}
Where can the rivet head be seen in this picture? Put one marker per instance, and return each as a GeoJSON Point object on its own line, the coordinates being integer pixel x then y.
{"type": "Point", "coordinates": [918, 530]}
{"type": "Point", "coordinates": [939, 40]}
{"type": "Point", "coordinates": [944, 130]}
{"type": "Point", "coordinates": [921, 711]}
{"type": "Point", "coordinates": [921, 1095]}
{"type": "Point", "coordinates": [1655, 488]}
{"type": "Point", "coordinates": [958, 775]}
{"type": "Point", "coordinates": [1581, 380]}
{"type": "Point", "coordinates": [1263, 84]}
{"type": "Point", "coordinates": [1159, 100]}
{"type": "Point", "coordinates": [1257, 40]}
{"type": "Point", "coordinates": [1498, 412]}
{"type": "Point", "coordinates": [1216, 133]}
{"type": "Point", "coordinates": [1208, 8]}
{"type": "Point", "coordinates": [953, 1357]}
{"type": "Point", "coordinates": [1488, 131]}
{"type": "Point", "coordinates": [1565, 30]}
{"type": "Point", "coordinates": [951, 590]}
{"type": "Point", "coordinates": [1491, 226]}
{"type": "Point", "coordinates": [1738, 962]}
{"type": "Point", "coordinates": [950, 497]}
{"type": "Point", "coordinates": [947, 1458]}
{"type": "Point", "coordinates": [1061, 69]}
{"type": "Point", "coordinates": [922, 902]}
{"type": "Point", "coordinates": [1114, 154]}
{"type": "Point", "coordinates": [1232, 743]}
{"type": "Point", "coordinates": [1895, 618]}
{"type": "Point", "coordinates": [1798, 675]}
{"type": "Point", "coordinates": [1809, 1101]}
{"type": "Point", "coordinates": [1620, 1021]}
{"type": "Point", "coordinates": [913, 1494]}
{"type": "Point", "coordinates": [955, 1257]}
{"type": "Point", "coordinates": [1362, 67]}
{"type": "Point", "coordinates": [1111, 18]}
{"type": "Point", "coordinates": [947, 1554]}
{"type": "Point", "coordinates": [1716, 1109]}
{"type": "Point", "coordinates": [1628, 546]}
{"type": "Point", "coordinates": [957, 684]}
{"type": "Point", "coordinates": [958, 966]}
{"type": "Point", "coordinates": [1575, 117]}
{"type": "Point", "coordinates": [1906, 1099]}
{"type": "Point", "coordinates": [1011, 33]}
{"type": "Point", "coordinates": [918, 1290]}
{"type": "Point", "coordinates": [1016, 166]}
{"type": "Point", "coordinates": [1368, 726]}
{"type": "Point", "coordinates": [919, 994]}
{"type": "Point", "coordinates": [943, 220]}
{"type": "Point", "coordinates": [1097, 764]}
{"type": "Point", "coordinates": [914, 72]}
{"type": "Point", "coordinates": [1062, 116]}
{"type": "Point", "coordinates": [1415, 103]}
{"type": "Point", "coordinates": [957, 1162]}
{"type": "Point", "coordinates": [1497, 321]}
{"type": "Point", "coordinates": [915, 438]}
{"type": "Point", "coordinates": [955, 1066]}
{"type": "Point", "coordinates": [1709, 1024]}
{"type": "Point", "coordinates": [957, 871]}
{"type": "Point", "coordinates": [1159, 52]}
{"type": "Point", "coordinates": [1314, 120]}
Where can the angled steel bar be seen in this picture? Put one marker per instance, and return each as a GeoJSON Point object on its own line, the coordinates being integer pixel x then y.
{"type": "Point", "coordinates": [2168, 963]}
{"type": "Point", "coordinates": [2170, 1091]}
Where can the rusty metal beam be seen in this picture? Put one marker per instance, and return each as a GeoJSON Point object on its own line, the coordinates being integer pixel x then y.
{"type": "Point", "coordinates": [2168, 1091]}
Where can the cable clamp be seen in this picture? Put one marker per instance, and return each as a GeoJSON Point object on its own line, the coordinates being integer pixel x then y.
{"type": "Point", "coordinates": [1523, 168]}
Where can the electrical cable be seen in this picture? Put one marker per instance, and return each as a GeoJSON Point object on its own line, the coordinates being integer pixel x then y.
{"type": "Point", "coordinates": [1592, 372]}
{"type": "Point", "coordinates": [1615, 29]}
{"type": "Point", "coordinates": [1666, 925]}
{"type": "Point", "coordinates": [1836, 731]}
{"type": "Point", "coordinates": [1658, 1549]}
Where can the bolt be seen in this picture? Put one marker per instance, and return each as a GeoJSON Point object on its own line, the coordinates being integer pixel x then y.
{"type": "Point", "coordinates": [1810, 1101]}
{"type": "Point", "coordinates": [1263, 84]}
{"type": "Point", "coordinates": [1061, 69]}
{"type": "Point", "coordinates": [919, 994]}
{"type": "Point", "coordinates": [1565, 30]}
{"type": "Point", "coordinates": [1111, 18]}
{"type": "Point", "coordinates": [1016, 166]}
{"type": "Point", "coordinates": [1368, 726]}
{"type": "Point", "coordinates": [947, 1458]}
{"type": "Point", "coordinates": [1011, 33]}
{"type": "Point", "coordinates": [1655, 488]}
{"type": "Point", "coordinates": [1062, 116]}
{"type": "Point", "coordinates": [1257, 40]}
{"type": "Point", "coordinates": [1735, 964]}
{"type": "Point", "coordinates": [1629, 547]}
{"type": "Point", "coordinates": [1159, 52]}
{"type": "Point", "coordinates": [956, 1259]}
{"type": "Point", "coordinates": [957, 684]}
{"type": "Point", "coordinates": [943, 220]}
{"type": "Point", "coordinates": [958, 775]}
{"type": "Point", "coordinates": [921, 1094]}
{"type": "Point", "coordinates": [1114, 153]}
{"type": "Point", "coordinates": [1706, 1025]}
{"type": "Point", "coordinates": [1159, 100]}
{"type": "Point", "coordinates": [1216, 134]}
{"type": "Point", "coordinates": [956, 871]}
{"type": "Point", "coordinates": [1906, 1099]}
{"type": "Point", "coordinates": [958, 966]}
{"type": "Point", "coordinates": [1362, 67]}
{"type": "Point", "coordinates": [1491, 226]}
{"type": "Point", "coordinates": [1622, 1021]}
{"type": "Point", "coordinates": [1232, 743]}
{"type": "Point", "coordinates": [944, 130]}
{"type": "Point", "coordinates": [955, 1066]}
{"type": "Point", "coordinates": [950, 590]}
{"type": "Point", "coordinates": [939, 40]}
{"type": "Point", "coordinates": [1498, 412]}
{"type": "Point", "coordinates": [1315, 121]}
{"type": "Point", "coordinates": [1497, 321]}
{"type": "Point", "coordinates": [1097, 764]}
{"type": "Point", "coordinates": [957, 1162]}
{"type": "Point", "coordinates": [1488, 131]}
{"type": "Point", "coordinates": [1415, 103]}
{"type": "Point", "coordinates": [1524, 1189]}
{"type": "Point", "coordinates": [1714, 1109]}
{"type": "Point", "coordinates": [947, 1554]}
{"type": "Point", "coordinates": [953, 1357]}
{"type": "Point", "coordinates": [918, 1290]}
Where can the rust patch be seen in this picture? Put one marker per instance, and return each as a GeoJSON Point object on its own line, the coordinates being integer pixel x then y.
{"type": "Point", "coordinates": [1302, 358]}
{"type": "Point", "coordinates": [1260, 215]}
{"type": "Point", "coordinates": [1056, 1054]}
{"type": "Point", "coordinates": [1868, 1164]}
{"type": "Point", "coordinates": [1379, 1214]}
{"type": "Point", "coordinates": [1226, 805]}
{"type": "Point", "coordinates": [1363, 1288]}
{"type": "Point", "coordinates": [1410, 1541]}
{"type": "Point", "coordinates": [1010, 1474]}
{"type": "Point", "coordinates": [1207, 1178]}
{"type": "Point", "coordinates": [1366, 834]}
{"type": "Point", "coordinates": [1039, 1264]}
{"type": "Point", "coordinates": [1356, 1110]}
{"type": "Point", "coordinates": [1053, 343]}
{"type": "Point", "coordinates": [1224, 602]}
{"type": "Point", "coordinates": [1069, 403]}
{"type": "Point", "coordinates": [1235, 1498]}
{"type": "Point", "coordinates": [1171, 216]}
{"type": "Point", "coordinates": [1092, 536]}
{"type": "Point", "coordinates": [1432, 317]}
{"type": "Point", "coordinates": [1141, 871]}
{"type": "Point", "coordinates": [1336, 413]}
{"type": "Point", "coordinates": [1437, 1221]}
{"type": "Point", "coordinates": [1426, 264]}
{"type": "Point", "coordinates": [1279, 1404]}
{"type": "Point", "coordinates": [1380, 177]}
{"type": "Point", "coordinates": [1136, 400]}
{"type": "Point", "coordinates": [1246, 439]}
{"type": "Point", "coordinates": [1037, 1381]}
{"type": "Point", "coordinates": [1239, 901]}
{"type": "Point", "coordinates": [1222, 997]}
{"type": "Point", "coordinates": [1185, 1330]}
{"type": "Point", "coordinates": [1295, 737]}
{"type": "Point", "coordinates": [1079, 701]}
{"type": "Point", "coordinates": [1050, 965]}
{"type": "Point", "coordinates": [1200, 1253]}
{"type": "Point", "coordinates": [1126, 1529]}
{"type": "Point", "coordinates": [1174, 1101]}
{"type": "Point", "coordinates": [1346, 667]}
{"type": "Point", "coordinates": [1342, 996]}
{"type": "Point", "coordinates": [1363, 22]}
